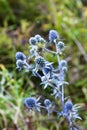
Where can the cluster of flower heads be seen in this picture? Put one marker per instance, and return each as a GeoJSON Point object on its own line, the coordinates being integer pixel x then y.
{"type": "Point", "coordinates": [50, 76]}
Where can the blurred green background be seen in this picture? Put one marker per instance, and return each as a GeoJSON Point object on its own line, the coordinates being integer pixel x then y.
{"type": "Point", "coordinates": [19, 20]}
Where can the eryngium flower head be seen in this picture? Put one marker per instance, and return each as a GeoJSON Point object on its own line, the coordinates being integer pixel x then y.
{"type": "Point", "coordinates": [53, 35]}
{"type": "Point", "coordinates": [38, 37]}
{"type": "Point", "coordinates": [33, 41]}
{"type": "Point", "coordinates": [40, 62]}
{"type": "Point", "coordinates": [32, 103]}
{"type": "Point", "coordinates": [72, 111]}
{"type": "Point", "coordinates": [19, 64]}
{"type": "Point", "coordinates": [63, 65]}
{"type": "Point", "coordinates": [49, 106]}
{"type": "Point", "coordinates": [20, 56]}
{"type": "Point", "coordinates": [68, 106]}
{"type": "Point", "coordinates": [47, 102]}
{"type": "Point", "coordinates": [60, 46]}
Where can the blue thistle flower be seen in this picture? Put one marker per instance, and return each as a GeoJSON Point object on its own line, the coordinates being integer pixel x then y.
{"type": "Point", "coordinates": [60, 46]}
{"type": "Point", "coordinates": [40, 62]}
{"type": "Point", "coordinates": [68, 106]}
{"type": "Point", "coordinates": [53, 35]}
{"type": "Point", "coordinates": [20, 56]}
{"type": "Point", "coordinates": [49, 106]}
{"type": "Point", "coordinates": [47, 102]}
{"type": "Point", "coordinates": [33, 41]}
{"type": "Point", "coordinates": [71, 113]}
{"type": "Point", "coordinates": [19, 64]}
{"type": "Point", "coordinates": [32, 103]}
{"type": "Point", "coordinates": [63, 63]}
{"type": "Point", "coordinates": [38, 37]}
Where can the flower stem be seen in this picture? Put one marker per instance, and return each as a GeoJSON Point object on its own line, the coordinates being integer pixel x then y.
{"type": "Point", "coordinates": [63, 98]}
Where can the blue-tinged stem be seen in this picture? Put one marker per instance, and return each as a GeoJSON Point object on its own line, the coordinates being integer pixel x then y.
{"type": "Point", "coordinates": [53, 52]}
{"type": "Point", "coordinates": [63, 97]}
{"type": "Point", "coordinates": [57, 52]}
{"type": "Point", "coordinates": [38, 75]}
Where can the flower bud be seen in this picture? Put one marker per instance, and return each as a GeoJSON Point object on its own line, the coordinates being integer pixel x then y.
{"type": "Point", "coordinates": [38, 37]}
{"type": "Point", "coordinates": [60, 46]}
{"type": "Point", "coordinates": [68, 106]}
{"type": "Point", "coordinates": [30, 102]}
{"type": "Point", "coordinates": [47, 102]}
{"type": "Point", "coordinates": [33, 41]}
{"type": "Point", "coordinates": [63, 63]}
{"type": "Point", "coordinates": [40, 62]}
{"type": "Point", "coordinates": [19, 63]}
{"type": "Point", "coordinates": [20, 56]}
{"type": "Point", "coordinates": [53, 35]}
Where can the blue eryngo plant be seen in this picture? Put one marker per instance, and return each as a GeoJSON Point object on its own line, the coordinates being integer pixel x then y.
{"type": "Point", "coordinates": [50, 77]}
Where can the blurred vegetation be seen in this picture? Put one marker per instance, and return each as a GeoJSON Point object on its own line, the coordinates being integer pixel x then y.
{"type": "Point", "coordinates": [24, 18]}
